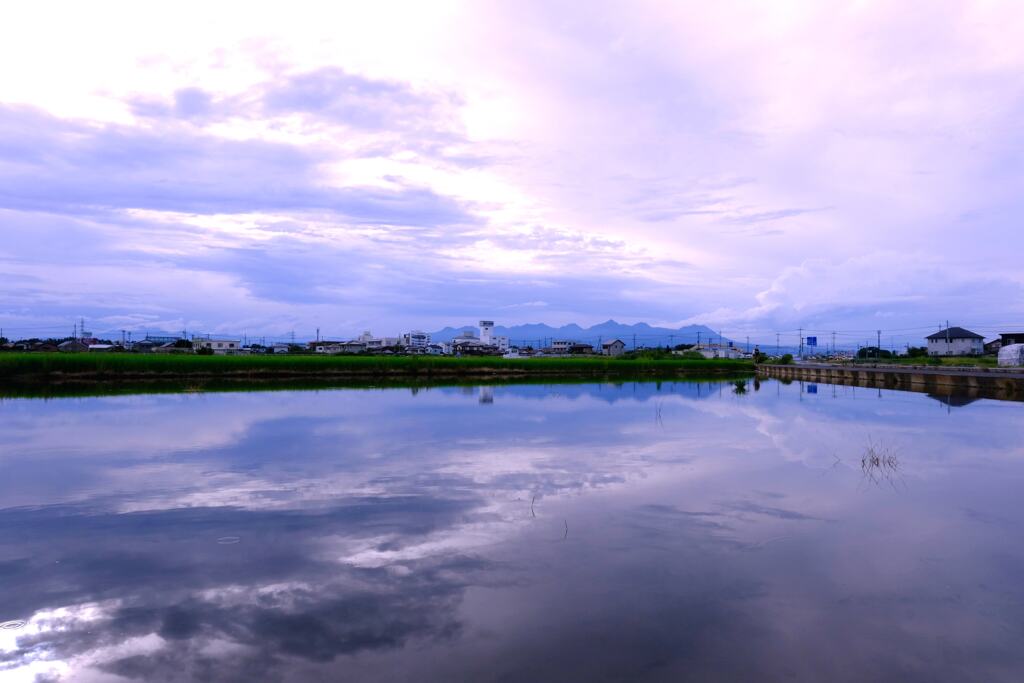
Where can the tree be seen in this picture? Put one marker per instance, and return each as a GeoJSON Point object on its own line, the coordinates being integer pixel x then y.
{"type": "Point", "coordinates": [873, 352]}
{"type": "Point", "coordinates": [917, 351]}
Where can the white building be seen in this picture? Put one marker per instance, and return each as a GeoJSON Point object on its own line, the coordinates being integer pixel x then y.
{"type": "Point", "coordinates": [717, 351]}
{"type": "Point", "coordinates": [561, 345]}
{"type": "Point", "coordinates": [372, 343]}
{"type": "Point", "coordinates": [486, 331]}
{"type": "Point", "coordinates": [416, 339]}
{"type": "Point", "coordinates": [220, 347]}
{"type": "Point", "coordinates": [955, 341]}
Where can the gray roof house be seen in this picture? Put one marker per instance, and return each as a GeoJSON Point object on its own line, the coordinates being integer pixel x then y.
{"type": "Point", "coordinates": [955, 341]}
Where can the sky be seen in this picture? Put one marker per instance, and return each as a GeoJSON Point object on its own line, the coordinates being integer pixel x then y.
{"type": "Point", "coordinates": [266, 168]}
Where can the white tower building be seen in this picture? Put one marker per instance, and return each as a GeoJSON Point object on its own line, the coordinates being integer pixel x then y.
{"type": "Point", "coordinates": [486, 329]}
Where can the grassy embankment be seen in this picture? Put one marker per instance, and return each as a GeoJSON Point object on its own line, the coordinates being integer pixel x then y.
{"type": "Point", "coordinates": [26, 369]}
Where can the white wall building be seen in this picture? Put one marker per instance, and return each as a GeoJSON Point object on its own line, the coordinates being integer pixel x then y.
{"type": "Point", "coordinates": [561, 345]}
{"type": "Point", "coordinates": [955, 341]}
{"type": "Point", "coordinates": [486, 331]}
{"type": "Point", "coordinates": [416, 339]}
{"type": "Point", "coordinates": [718, 351]}
{"type": "Point", "coordinates": [220, 347]}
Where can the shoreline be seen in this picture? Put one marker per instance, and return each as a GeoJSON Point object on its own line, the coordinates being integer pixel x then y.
{"type": "Point", "coordinates": [22, 374]}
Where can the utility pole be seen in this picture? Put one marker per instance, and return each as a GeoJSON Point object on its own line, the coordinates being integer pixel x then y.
{"type": "Point", "coordinates": [698, 339]}
{"type": "Point", "coordinates": [748, 343]}
{"type": "Point", "coordinates": [801, 342]}
{"type": "Point", "coordinates": [776, 343]}
{"type": "Point", "coordinates": [947, 337]}
{"type": "Point", "coordinates": [318, 334]}
{"type": "Point", "coordinates": [634, 341]}
{"type": "Point", "coordinates": [833, 343]}
{"type": "Point", "coordinates": [878, 345]}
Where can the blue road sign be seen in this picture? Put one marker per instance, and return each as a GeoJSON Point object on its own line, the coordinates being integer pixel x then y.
{"type": "Point", "coordinates": [812, 341]}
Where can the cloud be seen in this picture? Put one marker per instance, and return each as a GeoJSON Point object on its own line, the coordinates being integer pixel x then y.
{"type": "Point", "coordinates": [60, 166]}
{"type": "Point", "coordinates": [536, 146]}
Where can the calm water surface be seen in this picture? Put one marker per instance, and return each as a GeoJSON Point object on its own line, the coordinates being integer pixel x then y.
{"type": "Point", "coordinates": [635, 532]}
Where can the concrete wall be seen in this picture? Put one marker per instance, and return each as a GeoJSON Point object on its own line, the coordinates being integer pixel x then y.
{"type": "Point", "coordinates": [982, 383]}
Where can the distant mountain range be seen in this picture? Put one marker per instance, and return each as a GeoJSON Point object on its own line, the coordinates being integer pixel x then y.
{"type": "Point", "coordinates": [539, 334]}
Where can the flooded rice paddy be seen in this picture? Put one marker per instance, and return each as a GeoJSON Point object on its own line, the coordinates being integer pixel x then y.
{"type": "Point", "coordinates": [675, 531]}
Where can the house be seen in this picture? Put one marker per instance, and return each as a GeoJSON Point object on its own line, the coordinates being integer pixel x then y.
{"type": "Point", "coordinates": [335, 347]}
{"type": "Point", "coordinates": [324, 346]}
{"type": "Point", "coordinates": [993, 346]}
{"type": "Point", "coordinates": [171, 347]}
{"type": "Point", "coordinates": [352, 347]}
{"type": "Point", "coordinates": [93, 348]}
{"type": "Point", "coordinates": [280, 348]}
{"type": "Point", "coordinates": [220, 347]}
{"type": "Point", "coordinates": [467, 344]}
{"type": "Point", "coordinates": [372, 343]}
{"type": "Point", "coordinates": [955, 341]}
{"type": "Point", "coordinates": [561, 345]}
{"type": "Point", "coordinates": [1008, 338]}
{"type": "Point", "coordinates": [581, 349]}
{"type": "Point", "coordinates": [73, 346]}
{"type": "Point", "coordinates": [613, 347]}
